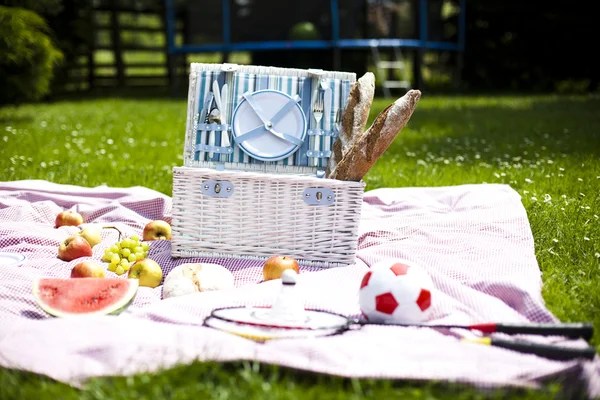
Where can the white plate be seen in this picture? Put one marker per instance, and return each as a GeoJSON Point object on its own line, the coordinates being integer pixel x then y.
{"type": "Point", "coordinates": [11, 259]}
{"type": "Point", "coordinates": [266, 146]}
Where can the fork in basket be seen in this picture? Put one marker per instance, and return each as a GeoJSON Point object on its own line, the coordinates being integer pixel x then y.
{"type": "Point", "coordinates": [317, 111]}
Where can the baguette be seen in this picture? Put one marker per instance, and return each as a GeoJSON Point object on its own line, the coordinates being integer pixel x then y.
{"type": "Point", "coordinates": [354, 117]}
{"type": "Point", "coordinates": [365, 149]}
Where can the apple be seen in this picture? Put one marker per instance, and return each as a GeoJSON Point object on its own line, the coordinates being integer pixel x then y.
{"type": "Point", "coordinates": [275, 265]}
{"type": "Point", "coordinates": [91, 234]}
{"type": "Point", "coordinates": [157, 230]}
{"type": "Point", "coordinates": [87, 269]}
{"type": "Point", "coordinates": [74, 247]}
{"type": "Point", "coordinates": [147, 271]}
{"type": "Point", "coordinates": [68, 218]}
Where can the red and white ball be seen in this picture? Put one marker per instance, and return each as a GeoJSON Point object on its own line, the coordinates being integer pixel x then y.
{"type": "Point", "coordinates": [396, 291]}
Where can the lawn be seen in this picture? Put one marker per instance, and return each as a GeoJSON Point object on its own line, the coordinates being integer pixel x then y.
{"type": "Point", "coordinates": [545, 147]}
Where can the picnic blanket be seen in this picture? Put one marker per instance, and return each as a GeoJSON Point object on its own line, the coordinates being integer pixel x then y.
{"type": "Point", "coordinates": [474, 240]}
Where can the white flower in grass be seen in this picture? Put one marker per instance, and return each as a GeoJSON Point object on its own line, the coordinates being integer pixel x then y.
{"type": "Point", "coordinates": [561, 169]}
{"type": "Point", "coordinates": [528, 180]}
{"type": "Point", "coordinates": [547, 198]}
{"type": "Point", "coordinates": [555, 240]}
{"type": "Point", "coordinates": [562, 209]}
{"type": "Point", "coordinates": [525, 191]}
{"type": "Point", "coordinates": [550, 162]}
{"type": "Point", "coordinates": [586, 238]}
{"type": "Point", "coordinates": [597, 255]}
{"type": "Point", "coordinates": [533, 198]}
{"type": "Point", "coordinates": [595, 216]}
{"type": "Point", "coordinates": [580, 180]}
{"type": "Point", "coordinates": [582, 195]}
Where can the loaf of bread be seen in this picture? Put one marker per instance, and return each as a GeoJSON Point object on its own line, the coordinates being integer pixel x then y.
{"type": "Point", "coordinates": [354, 117]}
{"type": "Point", "coordinates": [363, 150]}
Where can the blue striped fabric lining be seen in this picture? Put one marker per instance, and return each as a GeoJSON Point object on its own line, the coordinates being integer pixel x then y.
{"type": "Point", "coordinates": [240, 83]}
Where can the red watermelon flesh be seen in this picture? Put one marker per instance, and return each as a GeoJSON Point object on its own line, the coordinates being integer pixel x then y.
{"type": "Point", "coordinates": [84, 296]}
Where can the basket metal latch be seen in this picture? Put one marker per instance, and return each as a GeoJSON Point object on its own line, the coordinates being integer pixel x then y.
{"type": "Point", "coordinates": [215, 188]}
{"type": "Point", "coordinates": [317, 196]}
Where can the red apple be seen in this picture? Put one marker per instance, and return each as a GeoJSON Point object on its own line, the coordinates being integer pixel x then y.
{"type": "Point", "coordinates": [87, 269]}
{"type": "Point", "coordinates": [274, 266]}
{"type": "Point", "coordinates": [157, 230]}
{"type": "Point", "coordinates": [74, 247]}
{"type": "Point", "coordinates": [68, 218]}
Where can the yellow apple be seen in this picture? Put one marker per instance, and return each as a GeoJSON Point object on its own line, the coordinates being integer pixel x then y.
{"type": "Point", "coordinates": [147, 271]}
{"type": "Point", "coordinates": [157, 230]}
{"type": "Point", "coordinates": [91, 234]}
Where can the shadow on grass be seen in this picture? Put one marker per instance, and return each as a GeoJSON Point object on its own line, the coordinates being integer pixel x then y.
{"type": "Point", "coordinates": [246, 380]}
{"type": "Point", "coordinates": [16, 119]}
{"type": "Point", "coordinates": [506, 126]}
{"type": "Point", "coordinates": [134, 93]}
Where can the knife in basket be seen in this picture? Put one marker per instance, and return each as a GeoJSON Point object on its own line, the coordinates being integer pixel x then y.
{"type": "Point", "coordinates": [205, 110]}
{"type": "Point", "coordinates": [327, 106]}
{"type": "Point", "coordinates": [217, 94]}
{"type": "Point", "coordinates": [224, 96]}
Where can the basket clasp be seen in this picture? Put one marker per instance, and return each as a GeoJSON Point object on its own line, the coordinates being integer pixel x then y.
{"type": "Point", "coordinates": [318, 196]}
{"type": "Point", "coordinates": [216, 188]}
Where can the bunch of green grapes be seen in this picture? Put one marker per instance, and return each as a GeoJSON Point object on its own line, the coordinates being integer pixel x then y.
{"type": "Point", "coordinates": [122, 254]}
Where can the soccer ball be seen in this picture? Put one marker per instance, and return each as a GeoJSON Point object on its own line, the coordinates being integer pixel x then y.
{"type": "Point", "coordinates": [396, 291]}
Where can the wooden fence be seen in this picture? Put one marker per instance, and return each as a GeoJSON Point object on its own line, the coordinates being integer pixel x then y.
{"type": "Point", "coordinates": [126, 48]}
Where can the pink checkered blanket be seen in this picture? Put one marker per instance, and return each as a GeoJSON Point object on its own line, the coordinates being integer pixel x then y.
{"type": "Point", "coordinates": [474, 240]}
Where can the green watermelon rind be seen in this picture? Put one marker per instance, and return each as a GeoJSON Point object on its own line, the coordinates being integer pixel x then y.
{"type": "Point", "coordinates": [113, 309]}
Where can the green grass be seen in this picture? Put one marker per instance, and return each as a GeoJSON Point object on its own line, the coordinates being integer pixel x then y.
{"type": "Point", "coordinates": [545, 147]}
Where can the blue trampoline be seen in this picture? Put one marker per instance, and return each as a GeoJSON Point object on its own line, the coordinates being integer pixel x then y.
{"type": "Point", "coordinates": [268, 29]}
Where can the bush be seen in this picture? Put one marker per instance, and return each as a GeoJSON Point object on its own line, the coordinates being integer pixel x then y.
{"type": "Point", "coordinates": [28, 56]}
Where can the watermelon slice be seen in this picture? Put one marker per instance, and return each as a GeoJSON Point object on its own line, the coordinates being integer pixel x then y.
{"type": "Point", "coordinates": [84, 296]}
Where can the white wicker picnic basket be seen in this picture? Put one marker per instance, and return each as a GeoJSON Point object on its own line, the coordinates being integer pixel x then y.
{"type": "Point", "coordinates": [252, 184]}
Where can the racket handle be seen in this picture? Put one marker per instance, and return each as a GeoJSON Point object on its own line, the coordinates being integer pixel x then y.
{"type": "Point", "coordinates": [570, 330]}
{"type": "Point", "coordinates": [547, 351]}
